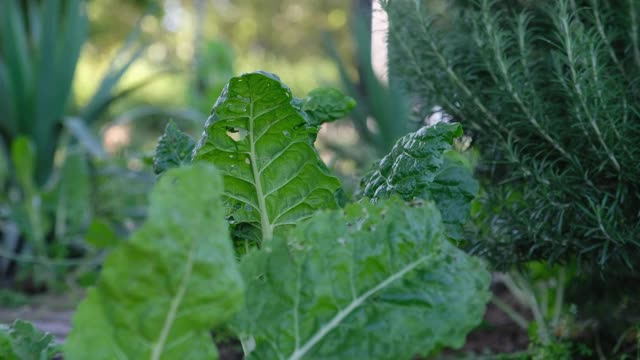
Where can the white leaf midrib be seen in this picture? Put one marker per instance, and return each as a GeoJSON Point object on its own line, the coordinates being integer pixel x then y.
{"type": "Point", "coordinates": [265, 223]}
{"type": "Point", "coordinates": [159, 344]}
{"type": "Point", "coordinates": [357, 302]}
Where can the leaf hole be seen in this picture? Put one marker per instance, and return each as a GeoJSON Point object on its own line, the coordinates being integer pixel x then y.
{"type": "Point", "coordinates": [237, 134]}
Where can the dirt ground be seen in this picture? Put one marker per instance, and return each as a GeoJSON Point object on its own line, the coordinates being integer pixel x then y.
{"type": "Point", "coordinates": [497, 333]}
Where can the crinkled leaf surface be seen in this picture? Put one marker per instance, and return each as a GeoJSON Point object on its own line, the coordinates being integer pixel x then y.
{"type": "Point", "coordinates": [22, 341]}
{"type": "Point", "coordinates": [453, 189]}
{"type": "Point", "coordinates": [160, 293]}
{"type": "Point", "coordinates": [273, 176]}
{"type": "Point", "coordinates": [377, 281]}
{"type": "Point", "coordinates": [421, 165]}
{"type": "Point", "coordinates": [326, 104]}
{"type": "Point", "coordinates": [174, 149]}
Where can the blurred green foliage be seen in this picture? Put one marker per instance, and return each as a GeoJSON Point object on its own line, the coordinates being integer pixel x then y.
{"type": "Point", "coordinates": [40, 46]}
{"type": "Point", "coordinates": [47, 199]}
{"type": "Point", "coordinates": [201, 37]}
{"type": "Point", "coordinates": [23, 341]}
{"type": "Point", "coordinates": [382, 114]}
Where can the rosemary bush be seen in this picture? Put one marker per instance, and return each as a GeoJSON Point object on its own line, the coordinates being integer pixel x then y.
{"type": "Point", "coordinates": [550, 92]}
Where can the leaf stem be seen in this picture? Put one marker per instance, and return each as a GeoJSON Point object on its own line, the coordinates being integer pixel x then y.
{"type": "Point", "coordinates": [265, 224]}
{"type": "Point", "coordinates": [532, 301]}
{"type": "Point", "coordinates": [158, 346]}
{"type": "Point", "coordinates": [511, 313]}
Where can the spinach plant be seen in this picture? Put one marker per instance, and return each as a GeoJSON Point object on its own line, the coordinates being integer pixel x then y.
{"type": "Point", "coordinates": [376, 279]}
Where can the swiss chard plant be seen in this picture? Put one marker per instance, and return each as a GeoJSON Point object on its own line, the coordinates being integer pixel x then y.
{"type": "Point", "coordinates": [176, 278]}
{"type": "Point", "coordinates": [263, 144]}
{"type": "Point", "coordinates": [378, 278]}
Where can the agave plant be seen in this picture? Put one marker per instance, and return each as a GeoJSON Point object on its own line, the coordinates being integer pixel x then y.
{"type": "Point", "coordinates": [40, 44]}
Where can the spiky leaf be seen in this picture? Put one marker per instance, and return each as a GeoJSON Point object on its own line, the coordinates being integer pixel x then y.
{"type": "Point", "coordinates": [273, 176]}
{"type": "Point", "coordinates": [370, 282]}
{"type": "Point", "coordinates": [421, 166]}
{"type": "Point", "coordinates": [160, 293]}
{"type": "Point", "coordinates": [326, 104]}
{"type": "Point", "coordinates": [453, 189]}
{"type": "Point", "coordinates": [22, 341]}
{"type": "Point", "coordinates": [174, 149]}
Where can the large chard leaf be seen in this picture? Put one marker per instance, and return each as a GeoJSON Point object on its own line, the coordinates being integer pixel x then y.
{"type": "Point", "coordinates": [160, 293]}
{"type": "Point", "coordinates": [22, 341]}
{"type": "Point", "coordinates": [421, 165]}
{"type": "Point", "coordinates": [263, 145]}
{"type": "Point", "coordinates": [372, 282]}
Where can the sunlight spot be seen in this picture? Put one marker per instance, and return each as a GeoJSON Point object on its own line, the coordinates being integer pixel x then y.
{"type": "Point", "coordinates": [337, 18]}
{"type": "Point", "coordinates": [116, 137]}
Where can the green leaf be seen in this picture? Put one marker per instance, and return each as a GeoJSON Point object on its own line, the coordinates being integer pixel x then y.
{"type": "Point", "coordinates": [23, 156]}
{"type": "Point", "coordinates": [106, 93]}
{"type": "Point", "coordinates": [421, 166]}
{"type": "Point", "coordinates": [5, 171]}
{"type": "Point", "coordinates": [22, 341]}
{"type": "Point", "coordinates": [28, 211]}
{"type": "Point", "coordinates": [174, 149]}
{"type": "Point", "coordinates": [274, 177]}
{"type": "Point", "coordinates": [453, 189]}
{"type": "Point", "coordinates": [101, 235]}
{"type": "Point", "coordinates": [413, 162]}
{"type": "Point", "coordinates": [63, 29]}
{"type": "Point", "coordinates": [10, 298]}
{"type": "Point", "coordinates": [83, 134]}
{"type": "Point", "coordinates": [160, 293]}
{"type": "Point", "coordinates": [73, 195]}
{"type": "Point", "coordinates": [326, 105]}
{"type": "Point", "coordinates": [370, 282]}
{"type": "Point", "coordinates": [17, 70]}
